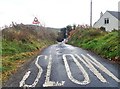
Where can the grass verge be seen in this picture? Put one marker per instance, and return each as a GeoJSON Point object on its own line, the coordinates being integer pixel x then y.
{"type": "Point", "coordinates": [10, 64]}
{"type": "Point", "coordinates": [103, 43]}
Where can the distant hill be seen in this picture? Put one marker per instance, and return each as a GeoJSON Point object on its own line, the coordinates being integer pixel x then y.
{"type": "Point", "coordinates": [41, 27]}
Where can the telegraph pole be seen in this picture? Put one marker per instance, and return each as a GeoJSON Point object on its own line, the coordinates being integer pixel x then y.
{"type": "Point", "coordinates": [91, 13]}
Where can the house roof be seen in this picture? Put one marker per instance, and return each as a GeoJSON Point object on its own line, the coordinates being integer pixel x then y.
{"type": "Point", "coordinates": [115, 14]}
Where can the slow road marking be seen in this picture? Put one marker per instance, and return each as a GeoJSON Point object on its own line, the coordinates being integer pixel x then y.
{"type": "Point", "coordinates": [100, 66]}
{"type": "Point", "coordinates": [49, 83]}
{"type": "Point", "coordinates": [22, 82]}
{"type": "Point", "coordinates": [69, 74]}
{"type": "Point", "coordinates": [89, 61]}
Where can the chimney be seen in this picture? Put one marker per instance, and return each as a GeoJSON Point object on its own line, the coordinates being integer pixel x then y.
{"type": "Point", "coordinates": [101, 14]}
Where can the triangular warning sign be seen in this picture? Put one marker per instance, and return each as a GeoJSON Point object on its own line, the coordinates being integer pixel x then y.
{"type": "Point", "coordinates": [36, 21]}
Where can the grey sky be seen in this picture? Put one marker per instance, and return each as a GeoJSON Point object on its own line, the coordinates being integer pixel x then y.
{"type": "Point", "coordinates": [53, 13]}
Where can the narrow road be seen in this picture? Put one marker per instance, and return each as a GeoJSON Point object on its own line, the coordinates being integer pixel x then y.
{"type": "Point", "coordinates": [64, 65]}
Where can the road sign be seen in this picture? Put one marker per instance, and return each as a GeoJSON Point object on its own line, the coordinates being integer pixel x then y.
{"type": "Point", "coordinates": [36, 21]}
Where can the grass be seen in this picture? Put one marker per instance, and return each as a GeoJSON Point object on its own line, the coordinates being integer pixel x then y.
{"type": "Point", "coordinates": [100, 42]}
{"type": "Point", "coordinates": [10, 64]}
{"type": "Point", "coordinates": [13, 47]}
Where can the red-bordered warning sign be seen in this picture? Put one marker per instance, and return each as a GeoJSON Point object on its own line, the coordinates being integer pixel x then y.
{"type": "Point", "coordinates": [36, 21]}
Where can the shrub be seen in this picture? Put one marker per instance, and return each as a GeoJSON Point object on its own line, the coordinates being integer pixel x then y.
{"type": "Point", "coordinates": [102, 29]}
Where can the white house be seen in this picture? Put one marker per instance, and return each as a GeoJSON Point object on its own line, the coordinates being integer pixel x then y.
{"type": "Point", "coordinates": [109, 20]}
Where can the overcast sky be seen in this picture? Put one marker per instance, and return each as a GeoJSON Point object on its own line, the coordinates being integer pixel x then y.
{"type": "Point", "coordinates": [53, 13]}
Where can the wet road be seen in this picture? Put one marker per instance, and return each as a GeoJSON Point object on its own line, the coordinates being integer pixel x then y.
{"type": "Point", "coordinates": [68, 66]}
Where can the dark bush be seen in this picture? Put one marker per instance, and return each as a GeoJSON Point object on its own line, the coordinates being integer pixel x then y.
{"type": "Point", "coordinates": [102, 28]}
{"type": "Point", "coordinates": [114, 30]}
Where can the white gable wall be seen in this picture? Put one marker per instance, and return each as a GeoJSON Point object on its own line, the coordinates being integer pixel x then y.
{"type": "Point", "coordinates": [113, 22]}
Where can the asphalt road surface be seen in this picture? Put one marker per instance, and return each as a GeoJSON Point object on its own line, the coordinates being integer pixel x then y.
{"type": "Point", "coordinates": [63, 65]}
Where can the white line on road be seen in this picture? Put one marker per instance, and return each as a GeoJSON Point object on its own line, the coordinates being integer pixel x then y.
{"type": "Point", "coordinates": [49, 83]}
{"type": "Point", "coordinates": [22, 82]}
{"type": "Point", "coordinates": [57, 49]}
{"type": "Point", "coordinates": [48, 69]}
{"type": "Point", "coordinates": [69, 74]}
{"type": "Point", "coordinates": [90, 62]}
{"type": "Point", "coordinates": [91, 67]}
{"type": "Point", "coordinates": [100, 66]}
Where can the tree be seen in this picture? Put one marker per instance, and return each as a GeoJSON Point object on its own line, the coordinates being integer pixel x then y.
{"type": "Point", "coordinates": [74, 27]}
{"type": "Point", "coordinates": [64, 31]}
{"type": "Point", "coordinates": [69, 28]}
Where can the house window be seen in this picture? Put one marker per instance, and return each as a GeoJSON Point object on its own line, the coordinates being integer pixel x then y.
{"type": "Point", "coordinates": [106, 20]}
